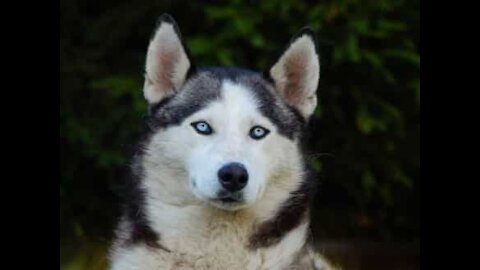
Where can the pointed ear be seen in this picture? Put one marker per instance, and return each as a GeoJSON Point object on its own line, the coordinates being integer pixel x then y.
{"type": "Point", "coordinates": [168, 62]}
{"type": "Point", "coordinates": [296, 73]}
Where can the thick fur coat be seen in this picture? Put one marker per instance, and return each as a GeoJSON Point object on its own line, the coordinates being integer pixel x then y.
{"type": "Point", "coordinates": [181, 212]}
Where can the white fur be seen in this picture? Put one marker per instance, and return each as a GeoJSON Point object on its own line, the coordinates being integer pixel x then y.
{"type": "Point", "coordinates": [299, 65]}
{"type": "Point", "coordinates": [231, 118]}
{"type": "Point", "coordinates": [224, 249]}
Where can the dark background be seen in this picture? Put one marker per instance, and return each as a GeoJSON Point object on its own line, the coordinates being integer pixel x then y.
{"type": "Point", "coordinates": [364, 140]}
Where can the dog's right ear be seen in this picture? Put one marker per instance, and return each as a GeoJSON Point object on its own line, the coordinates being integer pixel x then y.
{"type": "Point", "coordinates": [296, 73]}
{"type": "Point", "coordinates": [168, 63]}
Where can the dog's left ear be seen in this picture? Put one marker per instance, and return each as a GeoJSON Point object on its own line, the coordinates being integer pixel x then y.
{"type": "Point", "coordinates": [168, 62]}
{"type": "Point", "coordinates": [296, 73]}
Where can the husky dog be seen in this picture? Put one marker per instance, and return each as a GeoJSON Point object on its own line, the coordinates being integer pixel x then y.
{"type": "Point", "coordinates": [219, 181]}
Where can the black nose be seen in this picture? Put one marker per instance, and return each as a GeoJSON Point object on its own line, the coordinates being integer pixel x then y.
{"type": "Point", "coordinates": [233, 176]}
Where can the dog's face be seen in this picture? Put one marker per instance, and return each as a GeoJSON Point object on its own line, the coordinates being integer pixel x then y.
{"type": "Point", "coordinates": [228, 133]}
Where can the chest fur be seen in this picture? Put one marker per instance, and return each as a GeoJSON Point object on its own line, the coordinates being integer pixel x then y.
{"type": "Point", "coordinates": [223, 246]}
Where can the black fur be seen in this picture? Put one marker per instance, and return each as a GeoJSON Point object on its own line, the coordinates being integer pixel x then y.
{"type": "Point", "coordinates": [134, 201]}
{"type": "Point", "coordinates": [174, 109]}
{"type": "Point", "coordinates": [293, 211]}
{"type": "Point", "coordinates": [289, 124]}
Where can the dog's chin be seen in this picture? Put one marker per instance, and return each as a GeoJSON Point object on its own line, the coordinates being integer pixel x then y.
{"type": "Point", "coordinates": [228, 204]}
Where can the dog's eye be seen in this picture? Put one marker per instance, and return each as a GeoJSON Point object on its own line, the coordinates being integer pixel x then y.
{"type": "Point", "coordinates": [258, 132]}
{"type": "Point", "coordinates": [202, 127]}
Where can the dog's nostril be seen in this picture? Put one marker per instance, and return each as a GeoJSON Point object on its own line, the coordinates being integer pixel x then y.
{"type": "Point", "coordinates": [233, 176]}
{"type": "Point", "coordinates": [226, 176]}
{"type": "Point", "coordinates": [243, 180]}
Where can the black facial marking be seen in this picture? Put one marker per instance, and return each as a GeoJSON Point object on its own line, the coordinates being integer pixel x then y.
{"type": "Point", "coordinates": [292, 214]}
{"type": "Point", "coordinates": [197, 93]}
{"type": "Point", "coordinates": [287, 119]}
{"type": "Point", "coordinates": [205, 87]}
{"type": "Point", "coordinates": [152, 109]}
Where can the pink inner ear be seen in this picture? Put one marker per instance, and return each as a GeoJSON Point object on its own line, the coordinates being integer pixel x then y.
{"type": "Point", "coordinates": [294, 92]}
{"type": "Point", "coordinates": [166, 67]}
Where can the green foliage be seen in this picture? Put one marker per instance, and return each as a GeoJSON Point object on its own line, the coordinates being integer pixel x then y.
{"type": "Point", "coordinates": [367, 120]}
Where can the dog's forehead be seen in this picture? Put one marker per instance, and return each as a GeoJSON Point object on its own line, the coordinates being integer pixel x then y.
{"type": "Point", "coordinates": [210, 84]}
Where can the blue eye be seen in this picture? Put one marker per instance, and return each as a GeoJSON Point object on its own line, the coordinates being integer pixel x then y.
{"type": "Point", "coordinates": [202, 127]}
{"type": "Point", "coordinates": [258, 132]}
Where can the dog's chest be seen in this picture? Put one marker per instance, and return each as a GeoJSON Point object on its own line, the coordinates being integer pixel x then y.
{"type": "Point", "coordinates": [224, 245]}
{"type": "Point", "coordinates": [204, 238]}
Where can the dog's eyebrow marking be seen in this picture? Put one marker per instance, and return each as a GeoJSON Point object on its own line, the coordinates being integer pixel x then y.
{"type": "Point", "coordinates": [289, 121]}
{"type": "Point", "coordinates": [205, 87]}
{"type": "Point", "coordinates": [197, 93]}
{"type": "Point", "coordinates": [290, 216]}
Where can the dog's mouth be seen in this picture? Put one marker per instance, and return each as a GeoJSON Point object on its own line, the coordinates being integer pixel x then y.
{"type": "Point", "coordinates": [228, 201]}
{"type": "Point", "coordinates": [228, 197]}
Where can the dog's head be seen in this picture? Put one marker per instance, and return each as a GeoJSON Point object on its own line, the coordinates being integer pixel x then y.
{"type": "Point", "coordinates": [227, 133]}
